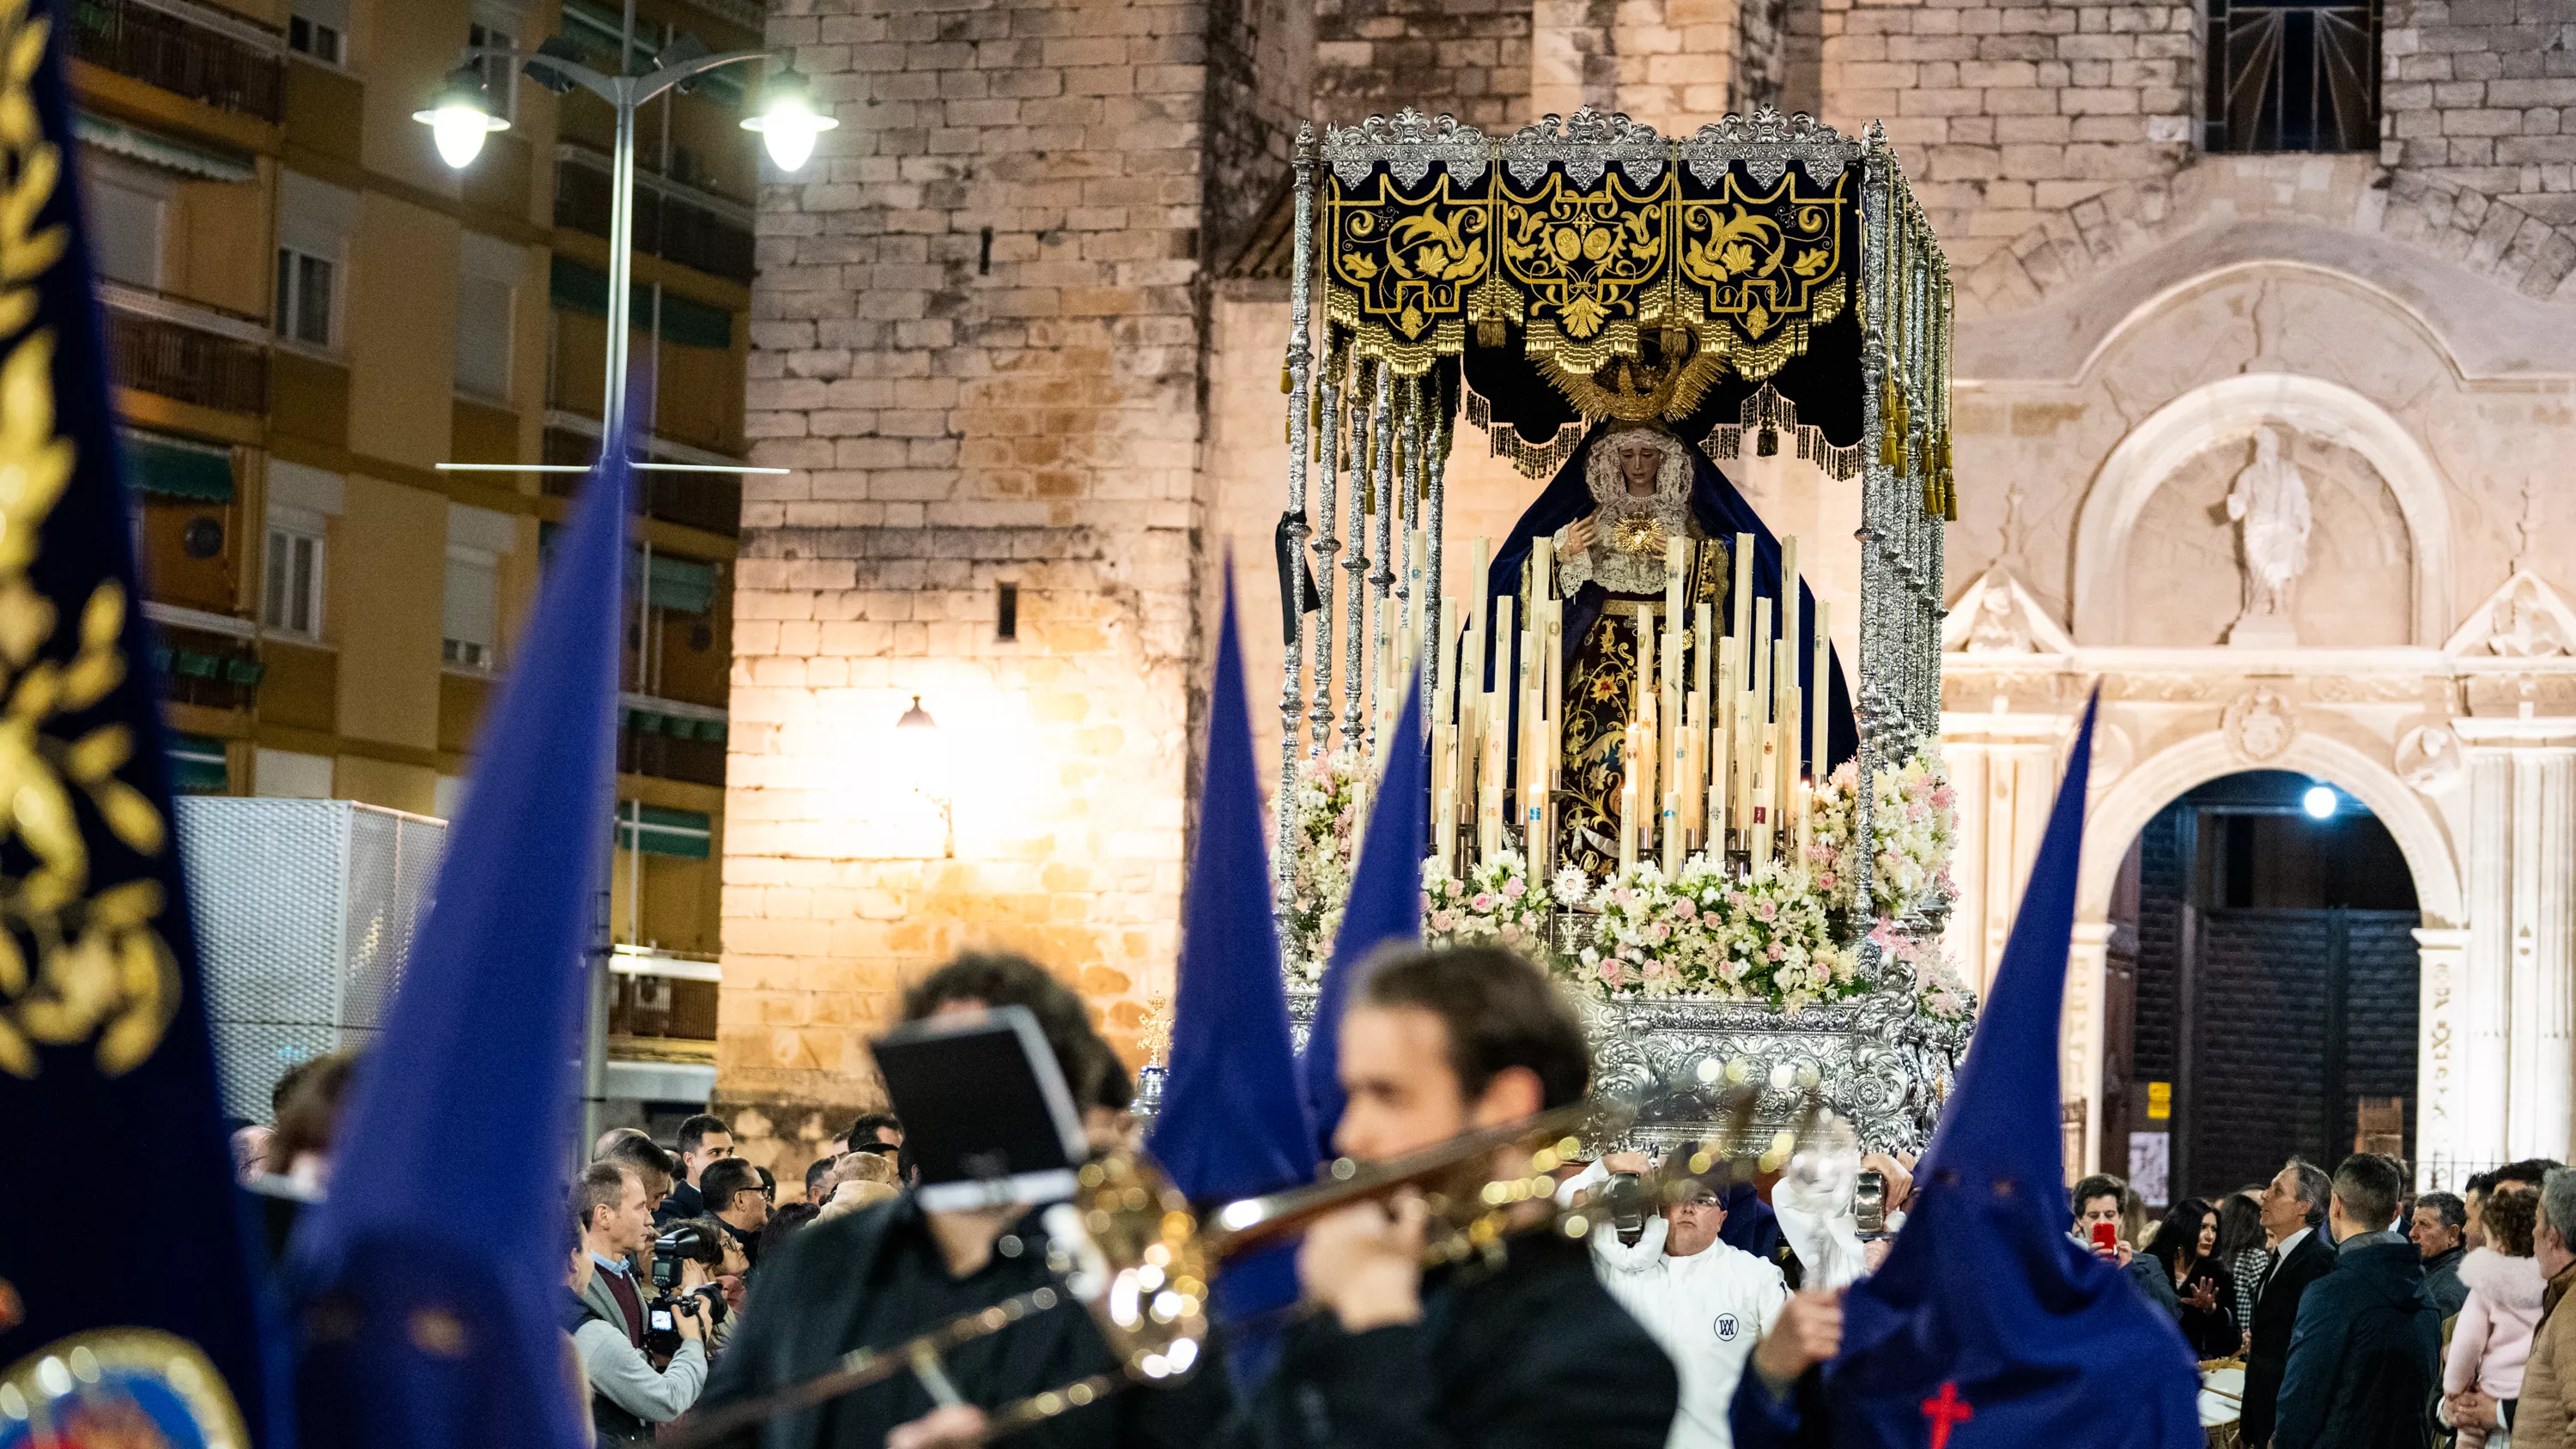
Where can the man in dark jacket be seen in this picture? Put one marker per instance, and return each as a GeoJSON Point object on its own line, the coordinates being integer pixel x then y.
{"type": "Point", "coordinates": [1533, 1354]}
{"type": "Point", "coordinates": [2440, 1221]}
{"type": "Point", "coordinates": [888, 1273]}
{"type": "Point", "coordinates": [2294, 1211]}
{"type": "Point", "coordinates": [2367, 1347]}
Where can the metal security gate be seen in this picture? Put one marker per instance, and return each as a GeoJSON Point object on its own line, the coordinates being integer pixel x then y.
{"type": "Point", "coordinates": [305, 912]}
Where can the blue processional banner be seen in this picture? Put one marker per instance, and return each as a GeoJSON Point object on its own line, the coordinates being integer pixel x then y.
{"type": "Point", "coordinates": [130, 1303]}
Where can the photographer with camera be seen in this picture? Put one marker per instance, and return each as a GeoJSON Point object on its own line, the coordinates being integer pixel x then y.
{"type": "Point", "coordinates": [624, 1331]}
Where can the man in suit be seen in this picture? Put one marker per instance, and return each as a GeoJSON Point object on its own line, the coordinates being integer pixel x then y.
{"type": "Point", "coordinates": [2293, 1208]}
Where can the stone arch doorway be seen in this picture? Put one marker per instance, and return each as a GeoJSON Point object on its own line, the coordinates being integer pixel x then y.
{"type": "Point", "coordinates": [2123, 808]}
{"type": "Point", "coordinates": [2261, 987]}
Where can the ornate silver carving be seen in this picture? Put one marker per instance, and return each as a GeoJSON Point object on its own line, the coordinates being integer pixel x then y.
{"type": "Point", "coordinates": [1300, 379]}
{"type": "Point", "coordinates": [1879, 1063]}
{"type": "Point", "coordinates": [1409, 145]}
{"type": "Point", "coordinates": [1585, 143]}
{"type": "Point", "coordinates": [1766, 142]}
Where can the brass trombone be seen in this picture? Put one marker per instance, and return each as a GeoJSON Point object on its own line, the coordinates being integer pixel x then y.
{"type": "Point", "coordinates": [1129, 1248]}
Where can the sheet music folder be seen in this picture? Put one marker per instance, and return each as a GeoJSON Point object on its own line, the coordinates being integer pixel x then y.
{"type": "Point", "coordinates": [985, 1111]}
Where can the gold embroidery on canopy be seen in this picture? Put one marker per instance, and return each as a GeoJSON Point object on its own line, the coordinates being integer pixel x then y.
{"type": "Point", "coordinates": [1398, 269]}
{"type": "Point", "coordinates": [1757, 271]}
{"type": "Point", "coordinates": [1591, 264]}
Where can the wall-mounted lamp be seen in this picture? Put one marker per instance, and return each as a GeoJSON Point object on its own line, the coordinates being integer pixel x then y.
{"type": "Point", "coordinates": [917, 741]}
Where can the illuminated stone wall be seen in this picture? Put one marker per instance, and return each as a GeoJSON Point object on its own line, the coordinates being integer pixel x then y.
{"type": "Point", "coordinates": [975, 342]}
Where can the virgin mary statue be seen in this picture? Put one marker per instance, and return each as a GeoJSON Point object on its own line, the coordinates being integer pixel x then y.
{"type": "Point", "coordinates": [1632, 486]}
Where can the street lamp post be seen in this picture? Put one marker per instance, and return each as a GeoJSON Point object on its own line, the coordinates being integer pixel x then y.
{"type": "Point", "coordinates": [460, 118]}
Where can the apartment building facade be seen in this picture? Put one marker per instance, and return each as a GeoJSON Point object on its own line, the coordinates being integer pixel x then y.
{"type": "Point", "coordinates": [308, 313]}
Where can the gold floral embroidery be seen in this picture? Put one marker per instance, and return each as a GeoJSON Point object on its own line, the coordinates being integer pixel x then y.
{"type": "Point", "coordinates": [80, 955]}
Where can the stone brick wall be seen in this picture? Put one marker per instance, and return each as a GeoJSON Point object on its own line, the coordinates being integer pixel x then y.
{"type": "Point", "coordinates": [975, 340]}
{"type": "Point", "coordinates": [1261, 61]}
{"type": "Point", "coordinates": [2008, 114]}
{"type": "Point", "coordinates": [1470, 58]}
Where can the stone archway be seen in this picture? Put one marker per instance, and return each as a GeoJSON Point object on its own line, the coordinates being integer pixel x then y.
{"type": "Point", "coordinates": [2120, 810]}
{"type": "Point", "coordinates": [2232, 409]}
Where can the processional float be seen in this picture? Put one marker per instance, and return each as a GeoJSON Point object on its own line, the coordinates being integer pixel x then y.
{"type": "Point", "coordinates": [1634, 726]}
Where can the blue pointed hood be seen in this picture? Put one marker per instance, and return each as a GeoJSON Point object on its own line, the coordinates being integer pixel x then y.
{"type": "Point", "coordinates": [1386, 905]}
{"type": "Point", "coordinates": [1986, 1314]}
{"type": "Point", "coordinates": [424, 1327]}
{"type": "Point", "coordinates": [1232, 1121]}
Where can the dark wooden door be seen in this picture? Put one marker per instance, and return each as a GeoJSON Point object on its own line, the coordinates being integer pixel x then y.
{"type": "Point", "coordinates": [2290, 1016]}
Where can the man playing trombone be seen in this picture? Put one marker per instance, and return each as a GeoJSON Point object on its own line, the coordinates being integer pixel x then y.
{"type": "Point", "coordinates": [1531, 1351]}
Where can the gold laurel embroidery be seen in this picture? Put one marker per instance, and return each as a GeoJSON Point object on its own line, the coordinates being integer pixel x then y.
{"type": "Point", "coordinates": [1588, 275]}
{"type": "Point", "coordinates": [79, 958]}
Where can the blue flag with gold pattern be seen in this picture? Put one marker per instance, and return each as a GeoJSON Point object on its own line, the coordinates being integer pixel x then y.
{"type": "Point", "coordinates": [130, 1303]}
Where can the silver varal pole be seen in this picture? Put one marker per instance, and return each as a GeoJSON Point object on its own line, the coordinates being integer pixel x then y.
{"type": "Point", "coordinates": [1382, 487]}
{"type": "Point", "coordinates": [1354, 681]}
{"type": "Point", "coordinates": [1319, 715]}
{"type": "Point", "coordinates": [1293, 586]}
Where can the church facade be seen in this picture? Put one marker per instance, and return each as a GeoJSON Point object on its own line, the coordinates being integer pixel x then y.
{"type": "Point", "coordinates": [2264, 366]}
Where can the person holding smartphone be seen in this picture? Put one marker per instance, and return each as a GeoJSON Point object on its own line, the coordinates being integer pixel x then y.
{"type": "Point", "coordinates": [2098, 1200]}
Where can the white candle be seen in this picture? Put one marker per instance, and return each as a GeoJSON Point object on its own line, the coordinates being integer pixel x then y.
{"type": "Point", "coordinates": [1819, 744]}
{"type": "Point", "coordinates": [1628, 802]}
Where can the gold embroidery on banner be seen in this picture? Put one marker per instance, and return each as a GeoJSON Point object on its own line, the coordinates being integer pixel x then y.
{"type": "Point", "coordinates": [1590, 263]}
{"type": "Point", "coordinates": [1764, 269]}
{"type": "Point", "coordinates": [80, 958]}
{"type": "Point", "coordinates": [1400, 267]}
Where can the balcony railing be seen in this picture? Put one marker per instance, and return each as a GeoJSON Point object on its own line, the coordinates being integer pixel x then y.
{"type": "Point", "coordinates": [674, 222]}
{"type": "Point", "coordinates": [184, 351]}
{"type": "Point", "coordinates": [2293, 75]}
{"type": "Point", "coordinates": [157, 45]}
{"type": "Point", "coordinates": [202, 667]}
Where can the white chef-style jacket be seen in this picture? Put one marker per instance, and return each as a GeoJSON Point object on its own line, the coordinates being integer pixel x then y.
{"type": "Point", "coordinates": [1706, 1310]}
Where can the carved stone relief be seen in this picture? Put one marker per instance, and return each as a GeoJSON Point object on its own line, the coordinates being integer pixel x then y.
{"type": "Point", "coordinates": [2260, 726]}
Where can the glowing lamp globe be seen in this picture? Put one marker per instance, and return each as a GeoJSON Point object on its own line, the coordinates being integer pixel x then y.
{"type": "Point", "coordinates": [788, 123]}
{"type": "Point", "coordinates": [459, 117]}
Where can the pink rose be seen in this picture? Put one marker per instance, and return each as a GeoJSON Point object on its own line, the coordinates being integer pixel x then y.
{"type": "Point", "coordinates": [1686, 908]}
{"type": "Point", "coordinates": [1609, 970]}
{"type": "Point", "coordinates": [1513, 889]}
{"type": "Point", "coordinates": [1443, 922]}
{"type": "Point", "coordinates": [1484, 901]}
{"type": "Point", "coordinates": [1778, 952]}
{"type": "Point", "coordinates": [1767, 910]}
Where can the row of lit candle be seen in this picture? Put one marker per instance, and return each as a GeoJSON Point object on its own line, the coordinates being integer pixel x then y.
{"type": "Point", "coordinates": [1709, 753]}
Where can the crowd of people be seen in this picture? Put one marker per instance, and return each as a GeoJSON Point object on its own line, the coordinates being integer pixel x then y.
{"type": "Point", "coordinates": [2363, 1314]}
{"type": "Point", "coordinates": [1693, 1316]}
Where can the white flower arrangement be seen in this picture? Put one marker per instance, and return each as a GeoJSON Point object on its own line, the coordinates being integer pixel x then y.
{"type": "Point", "coordinates": [1324, 831]}
{"type": "Point", "coordinates": [1939, 994]}
{"type": "Point", "coordinates": [1912, 827]}
{"type": "Point", "coordinates": [1769, 938]}
{"type": "Point", "coordinates": [1494, 903]}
